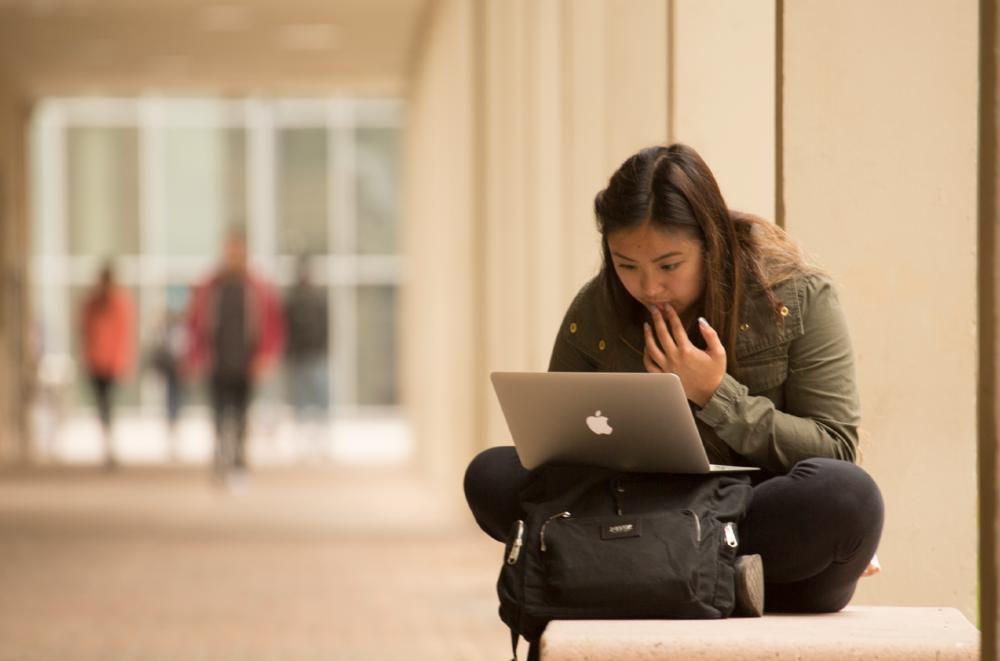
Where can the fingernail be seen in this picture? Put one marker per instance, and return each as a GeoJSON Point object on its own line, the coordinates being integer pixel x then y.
{"type": "Point", "coordinates": [653, 309]}
{"type": "Point", "coordinates": [645, 325]}
{"type": "Point", "coordinates": [703, 321]}
{"type": "Point", "coordinates": [666, 307]}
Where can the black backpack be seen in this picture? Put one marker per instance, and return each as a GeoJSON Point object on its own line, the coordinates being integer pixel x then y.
{"type": "Point", "coordinates": [600, 544]}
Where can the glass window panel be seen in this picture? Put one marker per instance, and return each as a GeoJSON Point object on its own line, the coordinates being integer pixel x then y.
{"type": "Point", "coordinates": [203, 173]}
{"type": "Point", "coordinates": [377, 345]}
{"type": "Point", "coordinates": [103, 190]}
{"type": "Point", "coordinates": [377, 190]}
{"type": "Point", "coordinates": [206, 186]}
{"type": "Point", "coordinates": [52, 329]}
{"type": "Point", "coordinates": [234, 176]}
{"type": "Point", "coordinates": [302, 191]}
{"type": "Point", "coordinates": [126, 394]}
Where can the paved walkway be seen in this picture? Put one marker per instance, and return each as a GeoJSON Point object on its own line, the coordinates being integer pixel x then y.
{"type": "Point", "coordinates": [311, 563]}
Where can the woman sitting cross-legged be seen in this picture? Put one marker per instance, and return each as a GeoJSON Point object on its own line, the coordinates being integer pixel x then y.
{"type": "Point", "coordinates": [759, 340]}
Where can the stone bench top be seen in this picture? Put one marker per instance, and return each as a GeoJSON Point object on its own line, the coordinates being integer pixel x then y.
{"type": "Point", "coordinates": [857, 632]}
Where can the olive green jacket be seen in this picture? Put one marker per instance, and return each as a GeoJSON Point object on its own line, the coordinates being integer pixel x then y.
{"type": "Point", "coordinates": [794, 395]}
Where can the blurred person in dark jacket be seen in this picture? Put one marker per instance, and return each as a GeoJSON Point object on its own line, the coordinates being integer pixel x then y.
{"type": "Point", "coordinates": [168, 356]}
{"type": "Point", "coordinates": [236, 333]}
{"type": "Point", "coordinates": [107, 347]}
{"type": "Point", "coordinates": [306, 351]}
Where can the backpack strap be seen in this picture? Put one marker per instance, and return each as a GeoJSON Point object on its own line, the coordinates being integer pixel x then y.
{"type": "Point", "coordinates": [532, 647]}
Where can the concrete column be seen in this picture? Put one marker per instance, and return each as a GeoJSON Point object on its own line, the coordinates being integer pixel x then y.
{"type": "Point", "coordinates": [522, 201]}
{"type": "Point", "coordinates": [440, 302]}
{"type": "Point", "coordinates": [989, 324]}
{"type": "Point", "coordinates": [880, 137]}
{"type": "Point", "coordinates": [14, 321]}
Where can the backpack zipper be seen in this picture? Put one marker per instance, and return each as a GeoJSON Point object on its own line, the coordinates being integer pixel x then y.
{"type": "Point", "coordinates": [515, 548]}
{"type": "Point", "coordinates": [616, 492]}
{"type": "Point", "coordinates": [541, 534]}
{"type": "Point", "coordinates": [730, 535]}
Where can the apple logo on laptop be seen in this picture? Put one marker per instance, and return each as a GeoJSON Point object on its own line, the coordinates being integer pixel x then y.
{"type": "Point", "coordinates": [599, 423]}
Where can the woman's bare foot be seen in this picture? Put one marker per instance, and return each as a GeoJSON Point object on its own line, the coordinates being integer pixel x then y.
{"type": "Point", "coordinates": [873, 567]}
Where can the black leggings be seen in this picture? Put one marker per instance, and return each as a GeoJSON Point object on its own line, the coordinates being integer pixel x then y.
{"type": "Point", "coordinates": [231, 397]}
{"type": "Point", "coordinates": [816, 528]}
{"type": "Point", "coordinates": [103, 388]}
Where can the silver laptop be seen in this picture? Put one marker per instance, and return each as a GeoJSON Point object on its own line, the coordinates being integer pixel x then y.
{"type": "Point", "coordinates": [623, 421]}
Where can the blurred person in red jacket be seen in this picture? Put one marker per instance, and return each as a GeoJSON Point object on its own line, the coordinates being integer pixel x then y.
{"type": "Point", "coordinates": [236, 334]}
{"type": "Point", "coordinates": [107, 347]}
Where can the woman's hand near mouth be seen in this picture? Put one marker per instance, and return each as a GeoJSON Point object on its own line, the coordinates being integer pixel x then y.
{"type": "Point", "coordinates": [700, 371]}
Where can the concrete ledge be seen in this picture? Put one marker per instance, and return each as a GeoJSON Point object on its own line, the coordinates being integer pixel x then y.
{"type": "Point", "coordinates": [859, 632]}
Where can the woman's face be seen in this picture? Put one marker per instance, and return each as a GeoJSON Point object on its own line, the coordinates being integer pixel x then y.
{"type": "Point", "coordinates": [659, 267]}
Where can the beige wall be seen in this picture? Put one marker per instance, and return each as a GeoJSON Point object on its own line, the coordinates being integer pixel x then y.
{"type": "Point", "coordinates": [880, 180]}
{"type": "Point", "coordinates": [12, 263]}
{"type": "Point", "coordinates": [723, 94]}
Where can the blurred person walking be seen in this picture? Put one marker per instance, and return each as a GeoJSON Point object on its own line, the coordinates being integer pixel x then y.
{"type": "Point", "coordinates": [307, 318]}
{"type": "Point", "coordinates": [107, 347]}
{"type": "Point", "coordinates": [236, 331]}
{"type": "Point", "coordinates": [168, 355]}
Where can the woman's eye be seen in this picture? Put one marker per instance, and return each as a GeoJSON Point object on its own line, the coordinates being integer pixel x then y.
{"type": "Point", "coordinates": [627, 267]}
{"type": "Point", "coordinates": [669, 267]}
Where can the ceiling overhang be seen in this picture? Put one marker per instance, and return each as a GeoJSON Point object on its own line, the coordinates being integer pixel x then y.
{"type": "Point", "coordinates": [267, 47]}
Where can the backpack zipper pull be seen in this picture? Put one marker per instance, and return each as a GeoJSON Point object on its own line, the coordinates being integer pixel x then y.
{"type": "Point", "coordinates": [616, 492]}
{"type": "Point", "coordinates": [515, 548]}
{"type": "Point", "coordinates": [541, 535]}
{"type": "Point", "coordinates": [730, 535]}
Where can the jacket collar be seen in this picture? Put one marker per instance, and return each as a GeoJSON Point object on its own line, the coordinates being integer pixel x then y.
{"type": "Point", "coordinates": [759, 327]}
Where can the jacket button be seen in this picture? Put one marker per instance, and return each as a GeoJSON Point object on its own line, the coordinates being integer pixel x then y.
{"type": "Point", "coordinates": [572, 327]}
{"type": "Point", "coordinates": [600, 345]}
{"type": "Point", "coordinates": [744, 327]}
{"type": "Point", "coordinates": [783, 311]}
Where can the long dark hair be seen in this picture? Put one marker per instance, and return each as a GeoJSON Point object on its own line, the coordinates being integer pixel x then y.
{"type": "Point", "coordinates": [672, 188]}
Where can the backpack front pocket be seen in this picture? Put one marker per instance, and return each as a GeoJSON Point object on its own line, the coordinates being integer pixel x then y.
{"type": "Point", "coordinates": [625, 560]}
